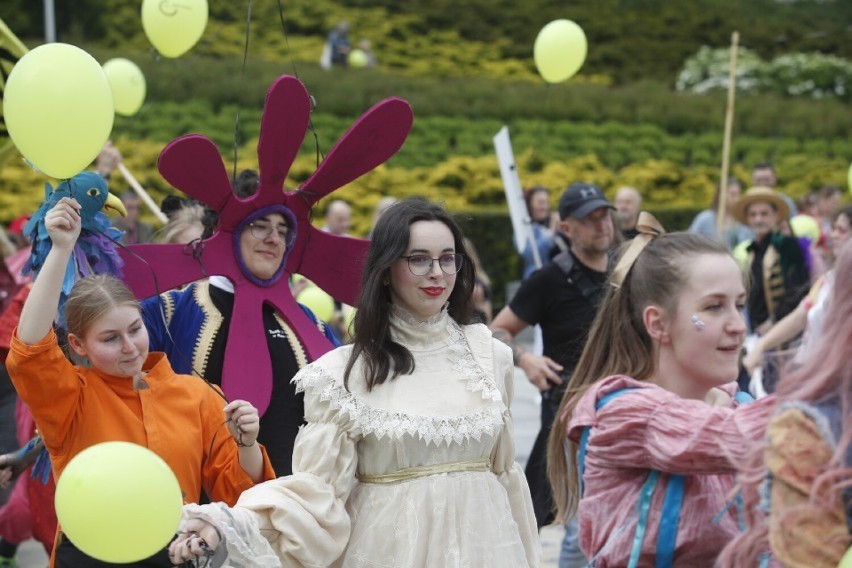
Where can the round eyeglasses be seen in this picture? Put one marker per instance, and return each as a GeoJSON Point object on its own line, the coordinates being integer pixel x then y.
{"type": "Point", "coordinates": [262, 230]}
{"type": "Point", "coordinates": [421, 264]}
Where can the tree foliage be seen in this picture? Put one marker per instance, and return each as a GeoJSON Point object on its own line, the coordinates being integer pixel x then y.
{"type": "Point", "coordinates": [628, 39]}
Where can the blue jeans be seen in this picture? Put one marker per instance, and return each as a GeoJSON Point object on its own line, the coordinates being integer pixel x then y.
{"type": "Point", "coordinates": [570, 555]}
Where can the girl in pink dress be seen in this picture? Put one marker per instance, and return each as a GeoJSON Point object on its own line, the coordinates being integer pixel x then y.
{"type": "Point", "coordinates": [649, 432]}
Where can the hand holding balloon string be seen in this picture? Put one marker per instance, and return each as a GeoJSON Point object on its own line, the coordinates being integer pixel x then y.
{"type": "Point", "coordinates": [243, 422]}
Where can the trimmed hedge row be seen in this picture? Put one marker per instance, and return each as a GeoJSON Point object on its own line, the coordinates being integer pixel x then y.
{"type": "Point", "coordinates": [221, 82]}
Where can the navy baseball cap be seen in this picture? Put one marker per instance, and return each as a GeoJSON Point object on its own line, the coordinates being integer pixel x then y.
{"type": "Point", "coordinates": [580, 199]}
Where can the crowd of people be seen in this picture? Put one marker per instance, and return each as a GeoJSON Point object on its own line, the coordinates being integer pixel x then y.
{"type": "Point", "coordinates": [659, 443]}
{"type": "Point", "coordinates": [676, 429]}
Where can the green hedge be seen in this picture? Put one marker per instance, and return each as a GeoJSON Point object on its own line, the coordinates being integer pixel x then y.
{"type": "Point", "coordinates": [628, 39]}
{"type": "Point", "coordinates": [435, 139]}
{"type": "Point", "coordinates": [219, 84]}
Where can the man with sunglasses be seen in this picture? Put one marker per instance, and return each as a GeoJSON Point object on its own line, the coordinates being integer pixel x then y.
{"type": "Point", "coordinates": [563, 298]}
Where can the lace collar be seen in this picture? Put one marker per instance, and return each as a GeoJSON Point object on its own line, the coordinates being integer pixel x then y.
{"type": "Point", "coordinates": [418, 335]}
{"type": "Point", "coordinates": [441, 331]}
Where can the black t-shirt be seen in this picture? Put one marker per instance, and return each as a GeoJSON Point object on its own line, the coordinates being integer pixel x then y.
{"type": "Point", "coordinates": [565, 315]}
{"type": "Point", "coordinates": [281, 421]}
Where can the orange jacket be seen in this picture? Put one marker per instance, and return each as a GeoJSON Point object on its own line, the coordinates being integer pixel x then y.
{"type": "Point", "coordinates": [178, 417]}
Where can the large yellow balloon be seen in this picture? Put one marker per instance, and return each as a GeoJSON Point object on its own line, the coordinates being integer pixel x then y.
{"type": "Point", "coordinates": [174, 26]}
{"type": "Point", "coordinates": [560, 50]}
{"type": "Point", "coordinates": [127, 83]}
{"type": "Point", "coordinates": [58, 108]}
{"type": "Point", "coordinates": [118, 502]}
{"type": "Point", "coordinates": [318, 301]}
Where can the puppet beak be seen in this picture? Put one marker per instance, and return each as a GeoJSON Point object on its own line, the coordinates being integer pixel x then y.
{"type": "Point", "coordinates": [114, 203]}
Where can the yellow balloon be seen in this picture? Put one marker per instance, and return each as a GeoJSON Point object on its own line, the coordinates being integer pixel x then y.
{"type": "Point", "coordinates": [357, 59]}
{"type": "Point", "coordinates": [127, 83]}
{"type": "Point", "coordinates": [318, 301]}
{"type": "Point", "coordinates": [846, 561]}
{"type": "Point", "coordinates": [850, 178]}
{"type": "Point", "coordinates": [560, 50]}
{"type": "Point", "coordinates": [805, 226]}
{"type": "Point", "coordinates": [174, 26]}
{"type": "Point", "coordinates": [58, 108]}
{"type": "Point", "coordinates": [348, 320]}
{"type": "Point", "coordinates": [118, 502]}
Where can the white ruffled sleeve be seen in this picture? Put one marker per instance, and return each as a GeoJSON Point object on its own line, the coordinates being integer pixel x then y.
{"type": "Point", "coordinates": [503, 463]}
{"type": "Point", "coordinates": [301, 516]}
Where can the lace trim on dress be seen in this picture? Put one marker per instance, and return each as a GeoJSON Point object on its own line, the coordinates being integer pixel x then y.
{"type": "Point", "coordinates": [394, 424]}
{"type": "Point", "coordinates": [472, 372]}
{"type": "Point", "coordinates": [407, 317]}
{"type": "Point", "coordinates": [476, 377]}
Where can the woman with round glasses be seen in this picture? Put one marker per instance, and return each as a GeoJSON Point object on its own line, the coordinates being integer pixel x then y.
{"type": "Point", "coordinates": [407, 458]}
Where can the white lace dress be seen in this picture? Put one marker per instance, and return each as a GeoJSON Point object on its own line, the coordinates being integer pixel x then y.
{"type": "Point", "coordinates": [349, 503]}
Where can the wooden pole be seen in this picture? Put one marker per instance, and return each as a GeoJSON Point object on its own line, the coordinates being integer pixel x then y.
{"type": "Point", "coordinates": [726, 144]}
{"type": "Point", "coordinates": [143, 195]}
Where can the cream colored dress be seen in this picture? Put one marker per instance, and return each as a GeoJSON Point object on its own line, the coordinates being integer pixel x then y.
{"type": "Point", "coordinates": [420, 472]}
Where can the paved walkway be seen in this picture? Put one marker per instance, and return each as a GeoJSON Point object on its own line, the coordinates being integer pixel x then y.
{"type": "Point", "coordinates": [525, 411]}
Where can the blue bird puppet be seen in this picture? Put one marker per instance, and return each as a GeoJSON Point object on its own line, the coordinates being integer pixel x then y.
{"type": "Point", "coordinates": [95, 251]}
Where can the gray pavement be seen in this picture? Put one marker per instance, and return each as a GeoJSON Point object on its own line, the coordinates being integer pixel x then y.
{"type": "Point", "coordinates": [525, 411]}
{"type": "Point", "coordinates": [526, 414]}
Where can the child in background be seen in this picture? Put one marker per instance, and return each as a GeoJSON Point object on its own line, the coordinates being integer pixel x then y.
{"type": "Point", "coordinates": [126, 394]}
{"type": "Point", "coordinates": [644, 446]}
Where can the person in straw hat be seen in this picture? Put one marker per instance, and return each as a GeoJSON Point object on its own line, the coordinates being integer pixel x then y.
{"type": "Point", "coordinates": [776, 264]}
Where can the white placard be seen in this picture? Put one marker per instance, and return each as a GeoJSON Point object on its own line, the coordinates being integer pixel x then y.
{"type": "Point", "coordinates": [521, 222]}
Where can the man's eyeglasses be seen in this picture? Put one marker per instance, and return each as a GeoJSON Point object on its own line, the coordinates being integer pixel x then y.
{"type": "Point", "coordinates": [262, 230]}
{"type": "Point", "coordinates": [421, 264]}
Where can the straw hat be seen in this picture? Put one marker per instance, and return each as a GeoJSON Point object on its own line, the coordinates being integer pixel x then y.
{"type": "Point", "coordinates": [755, 194]}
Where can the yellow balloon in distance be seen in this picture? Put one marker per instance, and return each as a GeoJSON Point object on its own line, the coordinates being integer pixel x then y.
{"type": "Point", "coordinates": [560, 50]}
{"type": "Point", "coordinates": [805, 226]}
{"type": "Point", "coordinates": [850, 178]}
{"type": "Point", "coordinates": [318, 301]}
{"type": "Point", "coordinates": [174, 26]}
{"type": "Point", "coordinates": [58, 108]}
{"type": "Point", "coordinates": [118, 502]}
{"type": "Point", "coordinates": [357, 59]}
{"type": "Point", "coordinates": [127, 83]}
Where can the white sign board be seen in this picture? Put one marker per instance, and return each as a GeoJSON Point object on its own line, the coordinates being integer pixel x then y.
{"type": "Point", "coordinates": [521, 223]}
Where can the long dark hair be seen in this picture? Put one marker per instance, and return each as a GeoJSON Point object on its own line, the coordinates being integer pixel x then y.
{"type": "Point", "coordinates": [382, 356]}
